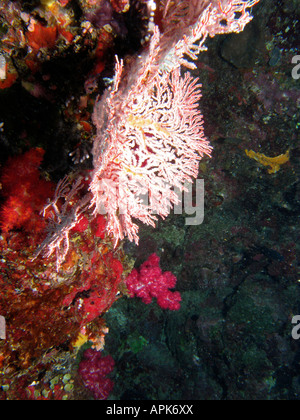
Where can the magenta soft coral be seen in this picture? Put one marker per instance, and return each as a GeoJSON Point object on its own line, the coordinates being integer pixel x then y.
{"type": "Point", "coordinates": [149, 281]}
{"type": "Point", "coordinates": [93, 369]}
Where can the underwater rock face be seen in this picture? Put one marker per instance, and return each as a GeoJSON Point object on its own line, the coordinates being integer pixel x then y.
{"type": "Point", "coordinates": [236, 272]}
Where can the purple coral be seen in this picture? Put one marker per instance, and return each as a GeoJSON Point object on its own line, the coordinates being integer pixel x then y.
{"type": "Point", "coordinates": [105, 15]}
{"type": "Point", "coordinates": [93, 369]}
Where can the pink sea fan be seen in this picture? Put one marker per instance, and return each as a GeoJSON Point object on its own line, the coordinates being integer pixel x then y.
{"type": "Point", "coordinates": [154, 140]}
{"type": "Point", "coordinates": [149, 129]}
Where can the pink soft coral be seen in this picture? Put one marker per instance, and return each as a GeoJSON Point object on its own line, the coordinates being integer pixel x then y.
{"type": "Point", "coordinates": [151, 282]}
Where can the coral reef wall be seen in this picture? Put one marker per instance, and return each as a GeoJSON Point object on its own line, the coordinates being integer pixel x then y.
{"type": "Point", "coordinates": [99, 108]}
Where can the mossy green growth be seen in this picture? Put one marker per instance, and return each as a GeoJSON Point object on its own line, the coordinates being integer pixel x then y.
{"type": "Point", "coordinates": [136, 343]}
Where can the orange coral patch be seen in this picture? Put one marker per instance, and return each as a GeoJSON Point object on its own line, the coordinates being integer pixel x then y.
{"type": "Point", "coordinates": [9, 81]}
{"type": "Point", "coordinates": [42, 37]}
